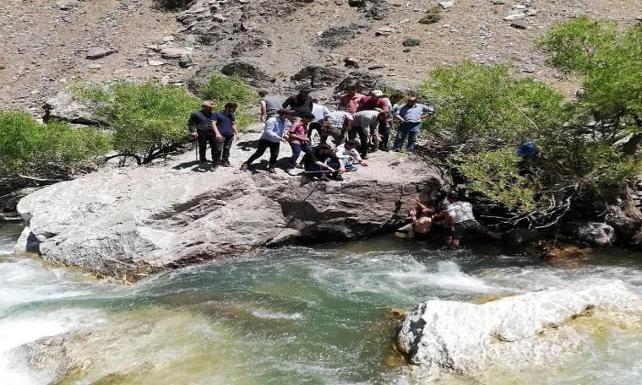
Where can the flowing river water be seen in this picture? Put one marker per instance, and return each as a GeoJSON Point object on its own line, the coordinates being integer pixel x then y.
{"type": "Point", "coordinates": [295, 316]}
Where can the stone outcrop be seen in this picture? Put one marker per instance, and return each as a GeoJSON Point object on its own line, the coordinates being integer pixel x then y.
{"type": "Point", "coordinates": [128, 222]}
{"type": "Point", "coordinates": [534, 328]}
{"type": "Point", "coordinates": [65, 107]}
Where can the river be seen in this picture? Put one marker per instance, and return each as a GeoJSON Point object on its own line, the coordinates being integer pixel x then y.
{"type": "Point", "coordinates": [294, 315]}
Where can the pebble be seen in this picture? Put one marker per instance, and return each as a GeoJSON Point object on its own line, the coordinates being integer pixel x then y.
{"type": "Point", "coordinates": [65, 5]}
{"type": "Point", "coordinates": [98, 52]}
{"type": "Point", "coordinates": [447, 4]}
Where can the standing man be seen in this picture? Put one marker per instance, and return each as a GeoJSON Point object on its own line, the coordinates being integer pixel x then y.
{"type": "Point", "coordinates": [299, 103]}
{"type": "Point", "coordinates": [224, 125]}
{"type": "Point", "coordinates": [410, 117]}
{"type": "Point", "coordinates": [269, 105]}
{"type": "Point", "coordinates": [201, 128]}
{"type": "Point", "coordinates": [271, 138]}
{"type": "Point", "coordinates": [351, 101]}
{"type": "Point", "coordinates": [366, 124]}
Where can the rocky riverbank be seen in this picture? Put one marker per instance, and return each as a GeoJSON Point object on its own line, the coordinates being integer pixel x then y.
{"type": "Point", "coordinates": [127, 223]}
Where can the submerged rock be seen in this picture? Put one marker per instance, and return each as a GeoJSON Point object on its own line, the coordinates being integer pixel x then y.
{"type": "Point", "coordinates": [127, 223]}
{"type": "Point", "coordinates": [463, 338]}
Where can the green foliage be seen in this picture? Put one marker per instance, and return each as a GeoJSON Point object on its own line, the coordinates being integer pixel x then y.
{"type": "Point", "coordinates": [411, 42]}
{"type": "Point", "coordinates": [148, 119]}
{"type": "Point", "coordinates": [485, 106]}
{"type": "Point", "coordinates": [45, 149]}
{"type": "Point", "coordinates": [495, 174]}
{"type": "Point", "coordinates": [231, 89]}
{"type": "Point", "coordinates": [431, 16]}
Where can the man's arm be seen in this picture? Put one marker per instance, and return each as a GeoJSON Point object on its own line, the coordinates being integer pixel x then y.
{"type": "Point", "coordinates": [191, 125]}
{"type": "Point", "coordinates": [263, 110]}
{"type": "Point", "coordinates": [217, 134]}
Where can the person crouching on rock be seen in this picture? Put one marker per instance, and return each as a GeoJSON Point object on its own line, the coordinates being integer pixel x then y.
{"type": "Point", "coordinates": [323, 163]}
{"type": "Point", "coordinates": [298, 139]}
{"type": "Point", "coordinates": [350, 155]}
{"type": "Point", "coordinates": [224, 128]}
{"type": "Point", "coordinates": [271, 138]}
{"type": "Point", "coordinates": [201, 127]}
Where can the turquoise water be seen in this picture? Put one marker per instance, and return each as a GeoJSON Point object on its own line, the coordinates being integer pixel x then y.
{"type": "Point", "coordinates": [289, 316]}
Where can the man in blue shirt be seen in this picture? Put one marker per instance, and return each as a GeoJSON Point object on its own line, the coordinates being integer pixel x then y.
{"type": "Point", "coordinates": [201, 128]}
{"type": "Point", "coordinates": [224, 125]}
{"type": "Point", "coordinates": [410, 117]}
{"type": "Point", "coordinates": [271, 138]}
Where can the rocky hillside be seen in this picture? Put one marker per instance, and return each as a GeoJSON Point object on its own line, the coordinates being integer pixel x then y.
{"type": "Point", "coordinates": [47, 44]}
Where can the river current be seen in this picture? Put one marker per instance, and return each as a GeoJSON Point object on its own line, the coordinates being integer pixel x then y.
{"type": "Point", "coordinates": [295, 315]}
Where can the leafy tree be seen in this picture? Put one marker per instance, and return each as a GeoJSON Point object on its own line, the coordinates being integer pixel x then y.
{"type": "Point", "coordinates": [53, 150]}
{"type": "Point", "coordinates": [148, 119]}
{"type": "Point", "coordinates": [231, 89]}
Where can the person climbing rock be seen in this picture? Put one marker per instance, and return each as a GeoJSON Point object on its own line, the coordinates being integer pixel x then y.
{"type": "Point", "coordinates": [201, 128]}
{"type": "Point", "coordinates": [271, 138]}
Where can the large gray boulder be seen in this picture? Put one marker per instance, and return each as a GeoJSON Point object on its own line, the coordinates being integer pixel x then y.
{"type": "Point", "coordinates": [64, 106]}
{"type": "Point", "coordinates": [127, 223]}
{"type": "Point", "coordinates": [530, 329]}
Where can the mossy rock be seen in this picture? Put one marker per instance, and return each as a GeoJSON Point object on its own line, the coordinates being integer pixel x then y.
{"type": "Point", "coordinates": [431, 16]}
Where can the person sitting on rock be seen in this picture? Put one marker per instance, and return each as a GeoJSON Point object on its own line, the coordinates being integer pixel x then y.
{"type": "Point", "coordinates": [322, 163]}
{"type": "Point", "coordinates": [225, 126]}
{"type": "Point", "coordinates": [270, 105]}
{"type": "Point", "coordinates": [298, 139]}
{"type": "Point", "coordinates": [421, 221]}
{"type": "Point", "coordinates": [351, 157]}
{"type": "Point", "coordinates": [351, 101]}
{"type": "Point", "coordinates": [271, 138]}
{"type": "Point", "coordinates": [201, 128]}
{"type": "Point", "coordinates": [336, 125]}
{"type": "Point", "coordinates": [301, 102]}
{"type": "Point", "coordinates": [410, 117]}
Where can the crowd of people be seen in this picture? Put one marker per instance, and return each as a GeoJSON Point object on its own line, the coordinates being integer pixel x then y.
{"type": "Point", "coordinates": [331, 142]}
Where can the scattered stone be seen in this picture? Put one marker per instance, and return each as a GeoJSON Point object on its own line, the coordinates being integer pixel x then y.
{"type": "Point", "coordinates": [499, 2]}
{"type": "Point", "coordinates": [65, 107]}
{"type": "Point", "coordinates": [519, 24]}
{"type": "Point", "coordinates": [514, 16]}
{"type": "Point", "coordinates": [337, 36]}
{"type": "Point", "coordinates": [95, 66]}
{"type": "Point", "coordinates": [319, 76]}
{"type": "Point", "coordinates": [411, 42]}
{"type": "Point", "coordinates": [167, 39]}
{"type": "Point", "coordinates": [217, 17]}
{"type": "Point", "coordinates": [251, 72]}
{"type": "Point", "coordinates": [66, 5]}
{"type": "Point", "coordinates": [99, 52]}
{"type": "Point", "coordinates": [431, 16]}
{"type": "Point", "coordinates": [447, 4]}
{"type": "Point", "coordinates": [595, 233]}
{"type": "Point", "coordinates": [174, 52]}
{"type": "Point", "coordinates": [186, 62]}
{"type": "Point", "coordinates": [384, 31]}
{"type": "Point", "coordinates": [351, 62]}
{"type": "Point", "coordinates": [155, 62]}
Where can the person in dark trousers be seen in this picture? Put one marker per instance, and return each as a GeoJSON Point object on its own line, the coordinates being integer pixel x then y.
{"type": "Point", "coordinates": [225, 126]}
{"type": "Point", "coordinates": [410, 117]}
{"type": "Point", "coordinates": [201, 128]}
{"type": "Point", "coordinates": [299, 103]}
{"type": "Point", "coordinates": [271, 138]}
{"type": "Point", "coordinates": [323, 162]}
{"type": "Point", "coordinates": [298, 139]}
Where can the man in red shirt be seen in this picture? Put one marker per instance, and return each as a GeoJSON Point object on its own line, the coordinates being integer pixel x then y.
{"type": "Point", "coordinates": [374, 101]}
{"type": "Point", "coordinates": [351, 101]}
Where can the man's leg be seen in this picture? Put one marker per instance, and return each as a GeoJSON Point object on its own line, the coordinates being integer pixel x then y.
{"type": "Point", "coordinates": [217, 150]}
{"type": "Point", "coordinates": [402, 133]}
{"type": "Point", "coordinates": [384, 132]}
{"type": "Point", "coordinates": [374, 137]}
{"type": "Point", "coordinates": [202, 146]}
{"type": "Point", "coordinates": [296, 151]}
{"type": "Point", "coordinates": [353, 132]}
{"type": "Point", "coordinates": [274, 153]}
{"type": "Point", "coordinates": [227, 146]}
{"type": "Point", "coordinates": [260, 149]}
{"type": "Point", "coordinates": [363, 138]}
{"type": "Point", "coordinates": [412, 136]}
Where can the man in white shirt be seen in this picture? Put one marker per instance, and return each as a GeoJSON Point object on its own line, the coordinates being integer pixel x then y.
{"type": "Point", "coordinates": [460, 220]}
{"type": "Point", "coordinates": [320, 112]}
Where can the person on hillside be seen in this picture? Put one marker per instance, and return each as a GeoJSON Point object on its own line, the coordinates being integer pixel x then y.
{"type": "Point", "coordinates": [351, 101]}
{"type": "Point", "coordinates": [323, 163]}
{"type": "Point", "coordinates": [410, 117]}
{"type": "Point", "coordinates": [350, 155]}
{"type": "Point", "coordinates": [201, 128]}
{"type": "Point", "coordinates": [375, 100]}
{"type": "Point", "coordinates": [225, 127]}
{"type": "Point", "coordinates": [270, 105]}
{"type": "Point", "coordinates": [366, 126]}
{"type": "Point", "coordinates": [298, 139]}
{"type": "Point", "coordinates": [271, 138]}
{"type": "Point", "coordinates": [299, 103]}
{"type": "Point", "coordinates": [320, 112]}
{"type": "Point", "coordinates": [421, 221]}
{"type": "Point", "coordinates": [336, 125]}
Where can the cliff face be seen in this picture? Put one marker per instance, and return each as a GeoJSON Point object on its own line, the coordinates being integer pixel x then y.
{"type": "Point", "coordinates": [127, 222]}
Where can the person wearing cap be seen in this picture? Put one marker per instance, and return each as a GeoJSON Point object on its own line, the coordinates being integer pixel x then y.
{"type": "Point", "coordinates": [225, 127]}
{"type": "Point", "coordinates": [271, 138]}
{"type": "Point", "coordinates": [351, 100]}
{"type": "Point", "coordinates": [366, 124]}
{"type": "Point", "coordinates": [301, 102]}
{"type": "Point", "coordinates": [298, 139]}
{"type": "Point", "coordinates": [202, 129]}
{"type": "Point", "coordinates": [410, 117]}
{"type": "Point", "coordinates": [270, 105]}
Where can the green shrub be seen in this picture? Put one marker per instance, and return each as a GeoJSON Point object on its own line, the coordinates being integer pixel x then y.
{"type": "Point", "coordinates": [431, 16]}
{"type": "Point", "coordinates": [148, 119]}
{"type": "Point", "coordinates": [231, 89]}
{"type": "Point", "coordinates": [411, 42]}
{"type": "Point", "coordinates": [53, 149]}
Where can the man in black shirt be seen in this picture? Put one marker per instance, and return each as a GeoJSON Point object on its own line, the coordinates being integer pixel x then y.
{"type": "Point", "coordinates": [323, 161]}
{"type": "Point", "coordinates": [201, 127]}
{"type": "Point", "coordinates": [301, 103]}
